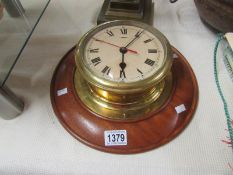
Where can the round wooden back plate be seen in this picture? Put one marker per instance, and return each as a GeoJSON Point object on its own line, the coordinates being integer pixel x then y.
{"type": "Point", "coordinates": [142, 135]}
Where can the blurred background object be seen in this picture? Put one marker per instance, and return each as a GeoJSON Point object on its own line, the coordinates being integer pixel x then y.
{"type": "Point", "coordinates": [218, 14]}
{"type": "Point", "coordinates": [16, 27]}
{"type": "Point", "coordinates": [13, 7]}
{"type": "Point", "coordinates": [139, 10]}
{"type": "Point", "coordinates": [1, 10]}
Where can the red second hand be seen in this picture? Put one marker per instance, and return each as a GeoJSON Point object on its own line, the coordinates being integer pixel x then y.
{"type": "Point", "coordinates": [132, 51]}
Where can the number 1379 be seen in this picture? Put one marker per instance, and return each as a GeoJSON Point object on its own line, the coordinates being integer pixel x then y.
{"type": "Point", "coordinates": [115, 137]}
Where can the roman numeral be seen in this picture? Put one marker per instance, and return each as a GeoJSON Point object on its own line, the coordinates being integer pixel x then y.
{"type": "Point", "coordinates": [152, 51]}
{"type": "Point", "coordinates": [109, 32]}
{"type": "Point", "coordinates": [96, 61]}
{"type": "Point", "coordinates": [148, 40]}
{"type": "Point", "coordinates": [122, 74]}
{"type": "Point", "coordinates": [106, 70]}
{"type": "Point", "coordinates": [94, 50]}
{"type": "Point", "coordinates": [149, 62]}
{"type": "Point", "coordinates": [140, 71]}
{"type": "Point", "coordinates": [124, 31]}
{"type": "Point", "coordinates": [138, 33]}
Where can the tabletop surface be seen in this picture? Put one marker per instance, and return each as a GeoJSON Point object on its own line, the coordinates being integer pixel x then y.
{"type": "Point", "coordinates": [36, 143]}
{"type": "Point", "coordinates": [16, 26]}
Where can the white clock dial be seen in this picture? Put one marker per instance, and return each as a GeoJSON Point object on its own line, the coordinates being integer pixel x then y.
{"type": "Point", "coordinates": [124, 53]}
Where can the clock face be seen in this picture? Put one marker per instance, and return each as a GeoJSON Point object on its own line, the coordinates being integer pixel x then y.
{"type": "Point", "coordinates": [123, 53]}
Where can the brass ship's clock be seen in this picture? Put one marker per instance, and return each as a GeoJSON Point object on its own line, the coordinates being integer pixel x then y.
{"type": "Point", "coordinates": [125, 70]}
{"type": "Point", "coordinates": [123, 88]}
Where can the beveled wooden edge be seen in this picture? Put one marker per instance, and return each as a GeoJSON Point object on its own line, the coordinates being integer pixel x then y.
{"type": "Point", "coordinates": [189, 117]}
{"type": "Point", "coordinates": [136, 150]}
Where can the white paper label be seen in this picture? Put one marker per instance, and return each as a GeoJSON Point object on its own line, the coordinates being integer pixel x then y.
{"type": "Point", "coordinates": [62, 92]}
{"type": "Point", "coordinates": [229, 37]}
{"type": "Point", "coordinates": [179, 109]}
{"type": "Point", "coordinates": [175, 55]}
{"type": "Point", "coordinates": [115, 138]}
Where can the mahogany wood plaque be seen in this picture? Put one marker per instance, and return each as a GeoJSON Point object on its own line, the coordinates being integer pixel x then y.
{"type": "Point", "coordinates": [142, 135]}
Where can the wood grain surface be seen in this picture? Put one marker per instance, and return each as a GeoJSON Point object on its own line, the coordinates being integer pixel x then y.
{"type": "Point", "coordinates": [142, 135]}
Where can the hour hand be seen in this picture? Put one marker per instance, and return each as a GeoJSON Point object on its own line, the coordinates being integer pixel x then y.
{"type": "Point", "coordinates": [122, 74]}
{"type": "Point", "coordinates": [122, 66]}
{"type": "Point", "coordinates": [122, 71]}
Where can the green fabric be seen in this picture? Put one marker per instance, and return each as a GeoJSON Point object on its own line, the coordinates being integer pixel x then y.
{"type": "Point", "coordinates": [229, 124]}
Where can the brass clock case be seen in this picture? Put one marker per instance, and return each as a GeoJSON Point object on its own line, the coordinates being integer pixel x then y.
{"type": "Point", "coordinates": [122, 87]}
{"type": "Point", "coordinates": [123, 101]}
{"type": "Point", "coordinates": [123, 107]}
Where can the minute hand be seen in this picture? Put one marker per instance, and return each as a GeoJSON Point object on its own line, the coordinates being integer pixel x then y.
{"type": "Point", "coordinates": [137, 35]}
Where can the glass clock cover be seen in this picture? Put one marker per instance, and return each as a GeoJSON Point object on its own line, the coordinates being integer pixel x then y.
{"type": "Point", "coordinates": [123, 52]}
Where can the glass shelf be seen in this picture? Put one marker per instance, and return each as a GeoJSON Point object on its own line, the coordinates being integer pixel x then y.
{"type": "Point", "coordinates": [18, 19]}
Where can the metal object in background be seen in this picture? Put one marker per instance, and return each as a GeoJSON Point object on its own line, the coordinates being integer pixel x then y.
{"type": "Point", "coordinates": [1, 10]}
{"type": "Point", "coordinates": [13, 7]}
{"type": "Point", "coordinates": [139, 10]}
{"type": "Point", "coordinates": [11, 106]}
{"type": "Point", "coordinates": [217, 14]}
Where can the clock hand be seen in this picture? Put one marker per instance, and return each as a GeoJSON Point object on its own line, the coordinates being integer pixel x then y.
{"type": "Point", "coordinates": [122, 65]}
{"type": "Point", "coordinates": [124, 50]}
{"type": "Point", "coordinates": [122, 72]}
{"type": "Point", "coordinates": [137, 35]}
{"type": "Point", "coordinates": [102, 41]}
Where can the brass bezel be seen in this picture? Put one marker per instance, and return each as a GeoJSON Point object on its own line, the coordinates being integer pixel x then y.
{"type": "Point", "coordinates": [122, 87]}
